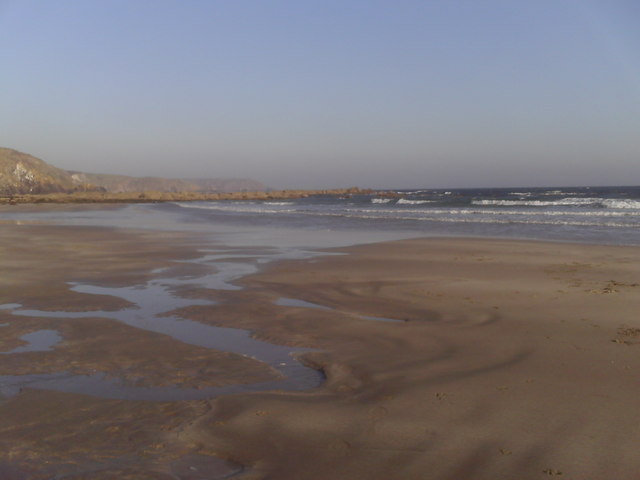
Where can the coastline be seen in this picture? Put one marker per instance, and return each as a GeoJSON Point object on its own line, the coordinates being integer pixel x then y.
{"type": "Point", "coordinates": [509, 358]}
{"type": "Point", "coordinates": [91, 197]}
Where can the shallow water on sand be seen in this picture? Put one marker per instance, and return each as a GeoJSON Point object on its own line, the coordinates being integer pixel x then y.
{"type": "Point", "coordinates": [237, 251]}
{"type": "Point", "coordinates": [38, 341]}
{"type": "Point", "coordinates": [151, 302]}
{"type": "Point", "coordinates": [294, 302]}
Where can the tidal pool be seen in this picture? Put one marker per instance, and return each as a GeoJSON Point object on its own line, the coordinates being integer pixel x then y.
{"type": "Point", "coordinates": [38, 341]}
{"type": "Point", "coordinates": [151, 302]}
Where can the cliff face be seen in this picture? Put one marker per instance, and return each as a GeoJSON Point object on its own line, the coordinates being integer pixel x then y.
{"type": "Point", "coordinates": [21, 173]}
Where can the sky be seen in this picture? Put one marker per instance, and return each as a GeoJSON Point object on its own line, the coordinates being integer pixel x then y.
{"type": "Point", "coordinates": [328, 93]}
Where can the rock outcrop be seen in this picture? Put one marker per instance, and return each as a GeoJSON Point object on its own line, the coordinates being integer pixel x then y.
{"type": "Point", "coordinates": [22, 173]}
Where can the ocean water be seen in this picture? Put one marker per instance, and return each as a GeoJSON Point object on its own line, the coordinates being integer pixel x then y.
{"type": "Point", "coordinates": [601, 215]}
{"type": "Point", "coordinates": [607, 215]}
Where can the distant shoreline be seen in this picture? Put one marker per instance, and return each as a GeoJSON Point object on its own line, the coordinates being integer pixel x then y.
{"type": "Point", "coordinates": [156, 197]}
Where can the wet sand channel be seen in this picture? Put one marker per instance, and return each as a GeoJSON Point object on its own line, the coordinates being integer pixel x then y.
{"type": "Point", "coordinates": [89, 311]}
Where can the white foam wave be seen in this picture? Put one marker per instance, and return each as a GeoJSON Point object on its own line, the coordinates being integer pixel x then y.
{"type": "Point", "coordinates": [533, 213]}
{"type": "Point", "coordinates": [237, 207]}
{"type": "Point", "coordinates": [278, 203]}
{"type": "Point", "coordinates": [597, 217]}
{"type": "Point", "coordinates": [494, 220]}
{"type": "Point", "coordinates": [551, 193]}
{"type": "Point", "coordinates": [412, 192]}
{"type": "Point", "coordinates": [211, 205]}
{"type": "Point", "coordinates": [404, 201]}
{"type": "Point", "coordinates": [563, 202]}
{"type": "Point", "coordinates": [621, 203]}
{"type": "Point", "coordinates": [380, 200]}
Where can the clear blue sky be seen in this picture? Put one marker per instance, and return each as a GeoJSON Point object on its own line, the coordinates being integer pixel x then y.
{"type": "Point", "coordinates": [328, 93]}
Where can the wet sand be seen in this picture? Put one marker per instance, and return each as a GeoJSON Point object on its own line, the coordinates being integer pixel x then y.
{"type": "Point", "coordinates": [515, 360]}
{"type": "Point", "coordinates": [509, 359]}
{"type": "Point", "coordinates": [47, 434]}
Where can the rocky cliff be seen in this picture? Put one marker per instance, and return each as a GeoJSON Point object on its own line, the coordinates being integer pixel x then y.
{"type": "Point", "coordinates": [21, 173]}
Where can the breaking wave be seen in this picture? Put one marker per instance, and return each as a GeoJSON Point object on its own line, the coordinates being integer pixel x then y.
{"type": "Point", "coordinates": [404, 201]}
{"type": "Point", "coordinates": [564, 202]}
{"type": "Point", "coordinates": [598, 214]}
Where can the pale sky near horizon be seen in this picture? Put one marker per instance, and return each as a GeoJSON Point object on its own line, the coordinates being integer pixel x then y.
{"type": "Point", "coordinates": [327, 93]}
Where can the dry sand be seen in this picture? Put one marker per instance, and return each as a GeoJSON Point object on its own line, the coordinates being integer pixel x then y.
{"type": "Point", "coordinates": [510, 360]}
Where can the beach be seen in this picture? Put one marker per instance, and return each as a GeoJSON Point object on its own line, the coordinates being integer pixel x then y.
{"type": "Point", "coordinates": [310, 240]}
{"type": "Point", "coordinates": [443, 358]}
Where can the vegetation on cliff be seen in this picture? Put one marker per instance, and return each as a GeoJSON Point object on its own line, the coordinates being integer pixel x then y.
{"type": "Point", "coordinates": [156, 197]}
{"type": "Point", "coordinates": [127, 184]}
{"type": "Point", "coordinates": [21, 174]}
{"type": "Point", "coordinates": [27, 179]}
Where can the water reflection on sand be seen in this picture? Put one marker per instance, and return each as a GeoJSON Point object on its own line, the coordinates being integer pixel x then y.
{"type": "Point", "coordinates": [150, 304]}
{"type": "Point", "coordinates": [239, 250]}
{"type": "Point", "coordinates": [38, 341]}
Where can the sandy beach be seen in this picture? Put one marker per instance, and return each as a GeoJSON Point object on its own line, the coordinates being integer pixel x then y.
{"type": "Point", "coordinates": [310, 240]}
{"type": "Point", "coordinates": [486, 359]}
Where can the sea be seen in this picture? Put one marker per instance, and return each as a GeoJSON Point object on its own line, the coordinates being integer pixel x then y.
{"type": "Point", "coordinates": [602, 215]}
{"type": "Point", "coordinates": [597, 215]}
